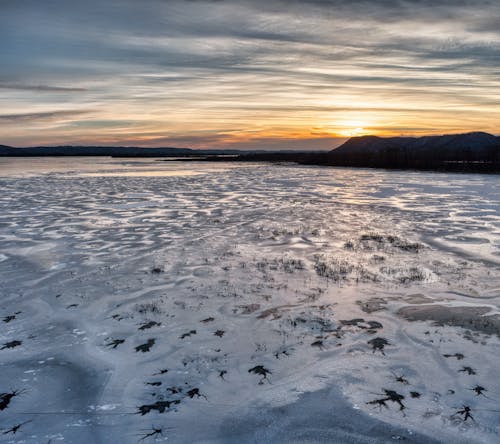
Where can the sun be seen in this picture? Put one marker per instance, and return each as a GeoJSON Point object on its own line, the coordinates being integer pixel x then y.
{"type": "Point", "coordinates": [351, 128]}
{"type": "Point", "coordinates": [353, 132]}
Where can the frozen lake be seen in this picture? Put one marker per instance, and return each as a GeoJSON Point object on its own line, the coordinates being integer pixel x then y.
{"type": "Point", "coordinates": [247, 303]}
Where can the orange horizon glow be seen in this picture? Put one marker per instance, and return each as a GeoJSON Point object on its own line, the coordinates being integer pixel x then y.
{"type": "Point", "coordinates": [316, 133]}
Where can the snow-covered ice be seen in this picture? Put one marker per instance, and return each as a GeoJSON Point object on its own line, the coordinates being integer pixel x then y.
{"type": "Point", "coordinates": [221, 303]}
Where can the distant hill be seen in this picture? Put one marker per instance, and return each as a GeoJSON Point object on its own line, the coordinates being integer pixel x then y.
{"type": "Point", "coordinates": [117, 151]}
{"type": "Point", "coordinates": [418, 152]}
{"type": "Point", "coordinates": [458, 152]}
{"type": "Point", "coordinates": [453, 145]}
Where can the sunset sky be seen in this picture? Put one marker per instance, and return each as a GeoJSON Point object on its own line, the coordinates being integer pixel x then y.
{"type": "Point", "coordinates": [245, 74]}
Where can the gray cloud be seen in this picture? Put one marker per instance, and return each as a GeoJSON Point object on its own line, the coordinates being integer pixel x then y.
{"type": "Point", "coordinates": [41, 116]}
{"type": "Point", "coordinates": [41, 88]}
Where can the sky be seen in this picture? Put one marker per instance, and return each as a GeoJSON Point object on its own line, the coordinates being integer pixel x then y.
{"type": "Point", "coordinates": [263, 74]}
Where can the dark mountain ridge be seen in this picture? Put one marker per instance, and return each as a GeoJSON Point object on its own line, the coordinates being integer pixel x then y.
{"type": "Point", "coordinates": [117, 151]}
{"type": "Point", "coordinates": [452, 143]}
{"type": "Point", "coordinates": [472, 152]}
{"type": "Point", "coordinates": [428, 152]}
{"type": "Point", "coordinates": [475, 151]}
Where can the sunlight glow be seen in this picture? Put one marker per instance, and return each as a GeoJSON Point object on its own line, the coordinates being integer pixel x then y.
{"type": "Point", "coordinates": [352, 132]}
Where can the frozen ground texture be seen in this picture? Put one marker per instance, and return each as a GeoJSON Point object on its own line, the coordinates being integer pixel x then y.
{"type": "Point", "coordinates": [257, 303]}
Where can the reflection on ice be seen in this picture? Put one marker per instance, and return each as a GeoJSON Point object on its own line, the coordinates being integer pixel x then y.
{"type": "Point", "coordinates": [148, 173]}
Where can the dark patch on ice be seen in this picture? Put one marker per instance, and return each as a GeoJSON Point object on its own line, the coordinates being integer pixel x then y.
{"type": "Point", "coordinates": [353, 322]}
{"type": "Point", "coordinates": [247, 309]}
{"type": "Point", "coordinates": [337, 270]}
{"type": "Point", "coordinates": [161, 372]}
{"type": "Point", "coordinates": [188, 334]}
{"type": "Point", "coordinates": [149, 324]}
{"type": "Point", "coordinates": [145, 347]}
{"type": "Point", "coordinates": [381, 402]}
{"type": "Point", "coordinates": [349, 245]}
{"type": "Point", "coordinates": [372, 305]}
{"type": "Point", "coordinates": [11, 344]}
{"type": "Point", "coordinates": [148, 307]}
{"type": "Point", "coordinates": [115, 343]}
{"type": "Point", "coordinates": [159, 406]}
{"type": "Point", "coordinates": [466, 317]}
{"type": "Point", "coordinates": [468, 370]}
{"type": "Point", "coordinates": [261, 371]}
{"type": "Point", "coordinates": [479, 390]}
{"type": "Point", "coordinates": [154, 383]}
{"type": "Point", "coordinates": [465, 413]}
{"type": "Point", "coordinates": [157, 270]}
{"type": "Point", "coordinates": [415, 394]}
{"type": "Point", "coordinates": [275, 312]}
{"type": "Point", "coordinates": [219, 333]}
{"type": "Point", "coordinates": [377, 241]}
{"type": "Point", "coordinates": [282, 352]}
{"type": "Point", "coordinates": [16, 428]}
{"type": "Point", "coordinates": [390, 395]}
{"type": "Point", "coordinates": [378, 344]}
{"type": "Point", "coordinates": [6, 398]}
{"type": "Point", "coordinates": [370, 326]}
{"type": "Point", "coordinates": [210, 319]}
{"type": "Point", "coordinates": [318, 343]}
{"type": "Point", "coordinates": [319, 324]}
{"type": "Point", "coordinates": [10, 318]}
{"type": "Point", "coordinates": [458, 356]}
{"type": "Point", "coordinates": [372, 237]}
{"type": "Point", "coordinates": [396, 397]}
{"type": "Point", "coordinates": [405, 275]}
{"type": "Point", "coordinates": [374, 326]}
{"type": "Point", "coordinates": [154, 432]}
{"type": "Point", "coordinates": [195, 392]}
{"type": "Point", "coordinates": [174, 390]}
{"type": "Point", "coordinates": [401, 379]}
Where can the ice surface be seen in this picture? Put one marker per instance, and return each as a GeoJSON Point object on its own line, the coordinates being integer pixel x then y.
{"type": "Point", "coordinates": [261, 303]}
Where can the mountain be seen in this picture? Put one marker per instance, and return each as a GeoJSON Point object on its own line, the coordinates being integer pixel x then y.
{"type": "Point", "coordinates": [418, 152]}
{"type": "Point", "coordinates": [476, 151]}
{"type": "Point", "coordinates": [372, 144]}
{"type": "Point", "coordinates": [117, 151]}
{"type": "Point", "coordinates": [6, 150]}
{"type": "Point", "coordinates": [452, 143]}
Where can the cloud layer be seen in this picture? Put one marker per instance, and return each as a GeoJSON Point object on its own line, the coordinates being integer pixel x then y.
{"type": "Point", "coordinates": [246, 74]}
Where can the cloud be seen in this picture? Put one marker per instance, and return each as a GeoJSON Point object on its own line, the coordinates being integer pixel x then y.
{"type": "Point", "coordinates": [264, 66]}
{"type": "Point", "coordinates": [217, 141]}
{"type": "Point", "coordinates": [40, 88]}
{"type": "Point", "coordinates": [41, 116]}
